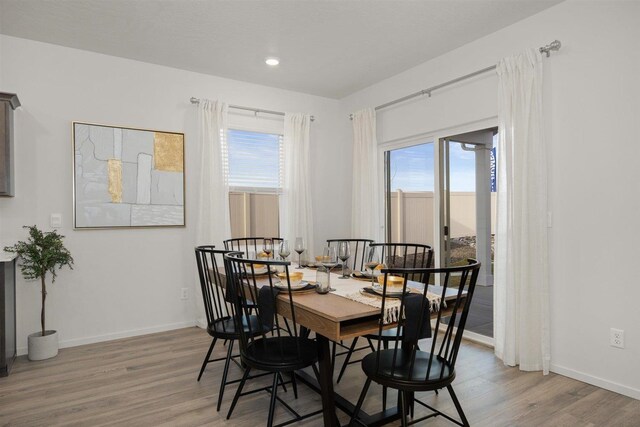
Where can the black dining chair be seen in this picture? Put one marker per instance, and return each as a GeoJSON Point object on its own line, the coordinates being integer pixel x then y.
{"type": "Point", "coordinates": [393, 255]}
{"type": "Point", "coordinates": [406, 367]}
{"type": "Point", "coordinates": [274, 354]}
{"type": "Point", "coordinates": [251, 244]}
{"type": "Point", "coordinates": [218, 310]}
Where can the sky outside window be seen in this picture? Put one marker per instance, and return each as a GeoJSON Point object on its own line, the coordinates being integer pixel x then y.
{"type": "Point", "coordinates": [254, 159]}
{"type": "Point", "coordinates": [412, 168]}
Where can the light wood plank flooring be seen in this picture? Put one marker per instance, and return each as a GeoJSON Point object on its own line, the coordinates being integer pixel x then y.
{"type": "Point", "coordinates": [151, 381]}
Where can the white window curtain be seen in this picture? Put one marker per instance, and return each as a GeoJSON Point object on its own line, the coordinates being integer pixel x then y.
{"type": "Point", "coordinates": [366, 217]}
{"type": "Point", "coordinates": [213, 222]}
{"type": "Point", "coordinates": [296, 216]}
{"type": "Point", "coordinates": [521, 290]}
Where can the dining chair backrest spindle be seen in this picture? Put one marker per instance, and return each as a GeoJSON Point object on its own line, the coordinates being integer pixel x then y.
{"type": "Point", "coordinates": [405, 255]}
{"type": "Point", "coordinates": [251, 244]}
{"type": "Point", "coordinates": [358, 248]}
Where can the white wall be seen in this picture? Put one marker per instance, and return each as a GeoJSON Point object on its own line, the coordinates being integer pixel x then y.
{"type": "Point", "coordinates": [592, 111]}
{"type": "Point", "coordinates": [128, 281]}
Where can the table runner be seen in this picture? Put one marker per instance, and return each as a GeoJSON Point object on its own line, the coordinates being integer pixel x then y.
{"type": "Point", "coordinates": [352, 289]}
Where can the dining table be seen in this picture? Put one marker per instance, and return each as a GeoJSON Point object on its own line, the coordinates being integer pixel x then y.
{"type": "Point", "coordinates": [335, 317]}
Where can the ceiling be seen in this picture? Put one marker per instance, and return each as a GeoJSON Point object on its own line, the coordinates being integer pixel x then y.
{"type": "Point", "coordinates": [327, 48]}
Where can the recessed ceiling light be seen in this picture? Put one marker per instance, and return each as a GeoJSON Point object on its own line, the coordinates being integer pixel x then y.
{"type": "Point", "coordinates": [272, 61]}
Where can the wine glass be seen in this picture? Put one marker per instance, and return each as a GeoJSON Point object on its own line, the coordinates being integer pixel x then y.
{"type": "Point", "coordinates": [329, 260]}
{"type": "Point", "coordinates": [284, 250]}
{"type": "Point", "coordinates": [344, 253]}
{"type": "Point", "coordinates": [299, 248]}
{"type": "Point", "coordinates": [267, 247]}
{"type": "Point", "coordinates": [373, 260]}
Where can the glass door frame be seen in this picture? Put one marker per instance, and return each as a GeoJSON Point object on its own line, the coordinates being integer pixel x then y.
{"type": "Point", "coordinates": [434, 138]}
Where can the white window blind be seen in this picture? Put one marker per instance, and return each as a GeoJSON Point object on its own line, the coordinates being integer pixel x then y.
{"type": "Point", "coordinates": [255, 161]}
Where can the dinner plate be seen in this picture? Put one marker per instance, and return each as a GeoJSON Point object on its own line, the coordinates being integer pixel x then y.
{"type": "Point", "coordinates": [364, 274]}
{"type": "Point", "coordinates": [302, 285]}
{"type": "Point", "coordinates": [378, 290]}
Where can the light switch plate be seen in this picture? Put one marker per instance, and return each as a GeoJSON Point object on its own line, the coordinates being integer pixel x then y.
{"type": "Point", "coordinates": [55, 220]}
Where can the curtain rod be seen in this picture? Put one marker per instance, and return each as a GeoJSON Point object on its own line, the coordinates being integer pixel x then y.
{"type": "Point", "coordinates": [554, 45]}
{"type": "Point", "coordinates": [195, 100]}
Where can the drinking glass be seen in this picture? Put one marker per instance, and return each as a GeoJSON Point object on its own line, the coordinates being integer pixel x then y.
{"type": "Point", "coordinates": [267, 247]}
{"type": "Point", "coordinates": [373, 260]}
{"type": "Point", "coordinates": [284, 250]}
{"type": "Point", "coordinates": [344, 253]}
{"type": "Point", "coordinates": [329, 260]}
{"type": "Point", "coordinates": [299, 248]}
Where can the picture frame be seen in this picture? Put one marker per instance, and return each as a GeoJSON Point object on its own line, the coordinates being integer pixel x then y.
{"type": "Point", "coordinates": [125, 177]}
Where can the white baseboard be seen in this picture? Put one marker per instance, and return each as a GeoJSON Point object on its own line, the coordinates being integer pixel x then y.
{"type": "Point", "coordinates": [478, 338]}
{"type": "Point", "coordinates": [117, 335]}
{"type": "Point", "coordinates": [596, 381]}
{"type": "Point", "coordinates": [567, 372]}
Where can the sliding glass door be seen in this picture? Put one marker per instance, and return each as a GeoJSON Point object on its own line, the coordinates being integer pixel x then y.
{"type": "Point", "coordinates": [440, 194]}
{"type": "Point", "coordinates": [410, 194]}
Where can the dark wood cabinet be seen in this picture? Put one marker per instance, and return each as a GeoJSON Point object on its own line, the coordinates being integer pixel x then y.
{"type": "Point", "coordinates": [8, 103]}
{"type": "Point", "coordinates": [8, 345]}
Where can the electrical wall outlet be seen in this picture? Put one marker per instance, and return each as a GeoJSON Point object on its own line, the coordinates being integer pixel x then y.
{"type": "Point", "coordinates": [55, 220]}
{"type": "Point", "coordinates": [184, 293]}
{"type": "Point", "coordinates": [616, 338]}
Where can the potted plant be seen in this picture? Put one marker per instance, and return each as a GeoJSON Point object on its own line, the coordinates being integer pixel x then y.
{"type": "Point", "coordinates": [42, 253]}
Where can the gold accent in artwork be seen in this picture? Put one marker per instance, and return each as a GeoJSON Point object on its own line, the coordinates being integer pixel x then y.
{"type": "Point", "coordinates": [168, 152]}
{"type": "Point", "coordinates": [115, 180]}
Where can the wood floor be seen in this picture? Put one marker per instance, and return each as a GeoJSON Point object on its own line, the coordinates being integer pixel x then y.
{"type": "Point", "coordinates": [151, 381]}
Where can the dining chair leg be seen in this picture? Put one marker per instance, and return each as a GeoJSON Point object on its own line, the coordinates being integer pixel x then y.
{"type": "Point", "coordinates": [384, 398]}
{"type": "Point", "coordinates": [316, 372]}
{"type": "Point", "coordinates": [360, 401]}
{"type": "Point", "coordinates": [272, 405]}
{"type": "Point", "coordinates": [284, 388]}
{"type": "Point", "coordinates": [371, 344]}
{"type": "Point", "coordinates": [238, 391]}
{"type": "Point", "coordinates": [206, 358]}
{"type": "Point", "coordinates": [333, 356]}
{"type": "Point", "coordinates": [294, 385]}
{"type": "Point", "coordinates": [346, 360]}
{"type": "Point", "coordinates": [385, 344]}
{"type": "Point", "coordinates": [412, 403]}
{"type": "Point", "coordinates": [403, 407]}
{"type": "Point", "coordinates": [225, 372]}
{"type": "Point", "coordinates": [463, 418]}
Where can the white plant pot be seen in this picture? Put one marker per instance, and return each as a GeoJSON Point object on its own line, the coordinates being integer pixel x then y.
{"type": "Point", "coordinates": [43, 347]}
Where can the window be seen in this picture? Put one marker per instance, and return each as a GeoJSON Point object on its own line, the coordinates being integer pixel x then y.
{"type": "Point", "coordinates": [255, 166]}
{"type": "Point", "coordinates": [255, 162]}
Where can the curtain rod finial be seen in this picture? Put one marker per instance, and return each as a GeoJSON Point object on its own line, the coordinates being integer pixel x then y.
{"type": "Point", "coordinates": [554, 45]}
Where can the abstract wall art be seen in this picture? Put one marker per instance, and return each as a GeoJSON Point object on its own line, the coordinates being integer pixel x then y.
{"type": "Point", "coordinates": [125, 177]}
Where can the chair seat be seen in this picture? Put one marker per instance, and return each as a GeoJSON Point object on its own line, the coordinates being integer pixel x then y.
{"type": "Point", "coordinates": [226, 328]}
{"type": "Point", "coordinates": [397, 373]}
{"type": "Point", "coordinates": [387, 335]}
{"type": "Point", "coordinates": [281, 354]}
